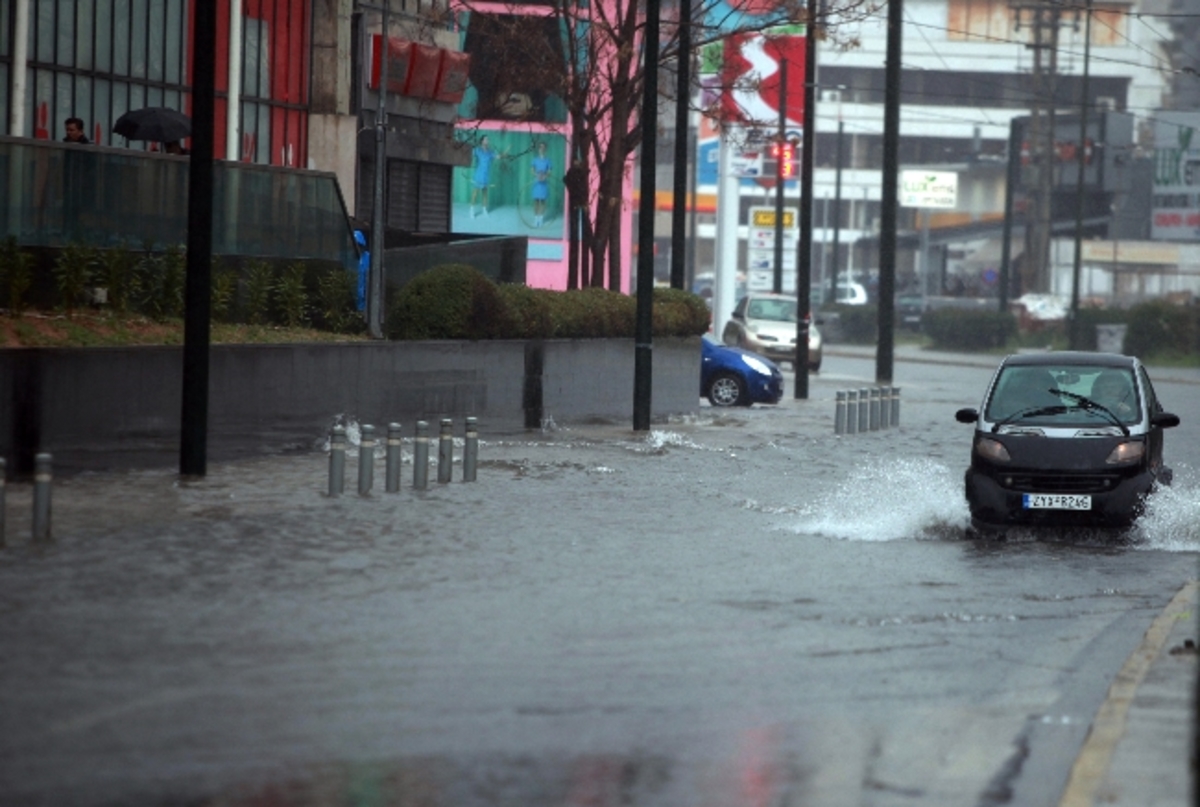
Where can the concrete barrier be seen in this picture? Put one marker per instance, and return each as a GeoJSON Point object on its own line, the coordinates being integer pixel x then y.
{"type": "Point", "coordinates": [97, 408]}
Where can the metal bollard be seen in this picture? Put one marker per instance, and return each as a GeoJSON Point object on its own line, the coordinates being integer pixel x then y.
{"type": "Point", "coordinates": [366, 460]}
{"type": "Point", "coordinates": [885, 407]}
{"type": "Point", "coordinates": [852, 411]}
{"type": "Point", "coordinates": [895, 406]}
{"type": "Point", "coordinates": [41, 497]}
{"type": "Point", "coordinates": [446, 451]}
{"type": "Point", "coordinates": [3, 479]}
{"type": "Point", "coordinates": [471, 450]}
{"type": "Point", "coordinates": [873, 417]}
{"type": "Point", "coordinates": [337, 461]}
{"type": "Point", "coordinates": [839, 413]}
{"type": "Point", "coordinates": [392, 462]}
{"type": "Point", "coordinates": [421, 456]}
{"type": "Point", "coordinates": [864, 409]}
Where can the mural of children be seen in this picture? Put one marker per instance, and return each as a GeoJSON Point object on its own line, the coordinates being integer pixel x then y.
{"type": "Point", "coordinates": [482, 177]}
{"type": "Point", "coordinates": [541, 167]}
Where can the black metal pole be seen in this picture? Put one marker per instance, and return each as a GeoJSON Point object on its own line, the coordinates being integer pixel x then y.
{"type": "Point", "coordinates": [804, 258]}
{"type": "Point", "coordinates": [645, 273]}
{"type": "Point", "coordinates": [1010, 192]}
{"type": "Point", "coordinates": [375, 280]}
{"type": "Point", "coordinates": [1075, 338]}
{"type": "Point", "coordinates": [837, 215]}
{"type": "Point", "coordinates": [780, 145]}
{"type": "Point", "coordinates": [889, 197]}
{"type": "Point", "coordinates": [193, 444]}
{"type": "Point", "coordinates": [683, 97]}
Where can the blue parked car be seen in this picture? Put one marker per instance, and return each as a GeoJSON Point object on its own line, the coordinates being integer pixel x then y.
{"type": "Point", "coordinates": [733, 376]}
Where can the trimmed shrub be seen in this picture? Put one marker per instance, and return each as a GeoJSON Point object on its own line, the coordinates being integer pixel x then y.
{"type": "Point", "coordinates": [530, 311]}
{"type": "Point", "coordinates": [593, 313]}
{"type": "Point", "coordinates": [336, 290]}
{"type": "Point", "coordinates": [291, 296]}
{"type": "Point", "coordinates": [679, 313]}
{"type": "Point", "coordinates": [16, 275]}
{"type": "Point", "coordinates": [119, 278]}
{"type": "Point", "coordinates": [1162, 328]}
{"type": "Point", "coordinates": [452, 301]}
{"type": "Point", "coordinates": [964, 329]}
{"type": "Point", "coordinates": [859, 323]}
{"type": "Point", "coordinates": [260, 279]}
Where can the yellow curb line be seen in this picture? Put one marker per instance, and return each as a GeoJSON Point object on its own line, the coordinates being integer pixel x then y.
{"type": "Point", "coordinates": [1094, 758]}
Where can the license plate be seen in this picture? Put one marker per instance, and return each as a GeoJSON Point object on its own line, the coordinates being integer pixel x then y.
{"type": "Point", "coordinates": [1056, 501]}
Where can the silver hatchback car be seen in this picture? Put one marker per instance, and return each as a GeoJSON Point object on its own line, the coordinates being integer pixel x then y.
{"type": "Point", "coordinates": [766, 323]}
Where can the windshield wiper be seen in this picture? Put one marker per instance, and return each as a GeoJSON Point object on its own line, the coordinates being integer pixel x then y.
{"type": "Point", "coordinates": [1031, 412]}
{"type": "Point", "coordinates": [1087, 404]}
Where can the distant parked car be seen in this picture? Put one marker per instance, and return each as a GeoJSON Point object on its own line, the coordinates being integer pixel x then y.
{"type": "Point", "coordinates": [731, 376]}
{"type": "Point", "coordinates": [1065, 439]}
{"type": "Point", "coordinates": [766, 323]}
{"type": "Point", "coordinates": [909, 310]}
{"type": "Point", "coordinates": [848, 293]}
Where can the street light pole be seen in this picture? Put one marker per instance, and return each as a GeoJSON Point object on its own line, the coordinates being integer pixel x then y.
{"type": "Point", "coordinates": [1075, 337]}
{"type": "Point", "coordinates": [376, 284]}
{"type": "Point", "coordinates": [780, 144]}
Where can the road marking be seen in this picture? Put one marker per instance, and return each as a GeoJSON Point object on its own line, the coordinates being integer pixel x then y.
{"type": "Point", "coordinates": [1094, 758]}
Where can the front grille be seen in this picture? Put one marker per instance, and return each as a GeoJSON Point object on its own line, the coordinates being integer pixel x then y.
{"type": "Point", "coordinates": [1061, 483]}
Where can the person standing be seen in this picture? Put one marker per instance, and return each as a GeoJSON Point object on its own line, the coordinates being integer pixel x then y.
{"type": "Point", "coordinates": [541, 166]}
{"type": "Point", "coordinates": [74, 128]}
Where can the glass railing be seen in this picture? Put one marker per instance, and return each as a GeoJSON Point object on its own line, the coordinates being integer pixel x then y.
{"type": "Point", "coordinates": [56, 195]}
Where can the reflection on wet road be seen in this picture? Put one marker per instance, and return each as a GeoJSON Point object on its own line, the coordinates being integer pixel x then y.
{"type": "Point", "coordinates": [736, 609]}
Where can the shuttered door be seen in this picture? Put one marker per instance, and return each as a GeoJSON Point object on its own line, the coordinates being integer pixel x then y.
{"type": "Point", "coordinates": [403, 195]}
{"type": "Point", "coordinates": [433, 214]}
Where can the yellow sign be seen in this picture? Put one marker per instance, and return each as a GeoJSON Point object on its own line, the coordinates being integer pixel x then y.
{"type": "Point", "coordinates": [764, 217]}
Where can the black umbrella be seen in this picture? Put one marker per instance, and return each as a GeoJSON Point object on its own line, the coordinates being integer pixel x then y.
{"type": "Point", "coordinates": [155, 123]}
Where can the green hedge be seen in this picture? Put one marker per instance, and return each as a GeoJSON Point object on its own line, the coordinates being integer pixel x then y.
{"type": "Point", "coordinates": [455, 301]}
{"type": "Point", "coordinates": [966, 329]}
{"type": "Point", "coordinates": [1159, 328]}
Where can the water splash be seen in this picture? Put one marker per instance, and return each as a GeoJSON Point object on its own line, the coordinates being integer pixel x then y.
{"type": "Point", "coordinates": [1172, 518]}
{"type": "Point", "coordinates": [891, 500]}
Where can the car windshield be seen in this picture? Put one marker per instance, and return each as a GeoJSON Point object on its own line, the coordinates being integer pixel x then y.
{"type": "Point", "coordinates": [1063, 395]}
{"type": "Point", "coordinates": [774, 310]}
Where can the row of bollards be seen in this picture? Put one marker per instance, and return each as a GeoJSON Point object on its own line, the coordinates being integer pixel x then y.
{"type": "Point", "coordinates": [866, 409]}
{"type": "Point", "coordinates": [42, 478]}
{"type": "Point", "coordinates": [366, 456]}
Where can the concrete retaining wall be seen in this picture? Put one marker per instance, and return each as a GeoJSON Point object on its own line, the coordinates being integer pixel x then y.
{"type": "Point", "coordinates": [96, 408]}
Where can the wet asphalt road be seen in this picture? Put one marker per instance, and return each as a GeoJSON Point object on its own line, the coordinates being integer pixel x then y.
{"type": "Point", "coordinates": [737, 609]}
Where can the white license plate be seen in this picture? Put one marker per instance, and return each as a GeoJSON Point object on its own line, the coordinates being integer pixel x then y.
{"type": "Point", "coordinates": [1056, 501]}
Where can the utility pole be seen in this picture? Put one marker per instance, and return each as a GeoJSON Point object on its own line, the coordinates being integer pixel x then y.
{"type": "Point", "coordinates": [683, 97]}
{"type": "Point", "coordinates": [375, 281]}
{"type": "Point", "coordinates": [804, 258]}
{"type": "Point", "coordinates": [1043, 18]}
{"type": "Point", "coordinates": [1076, 338]}
{"type": "Point", "coordinates": [780, 145]}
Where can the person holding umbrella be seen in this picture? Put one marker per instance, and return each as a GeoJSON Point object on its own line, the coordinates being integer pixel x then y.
{"type": "Point", "coordinates": [155, 124]}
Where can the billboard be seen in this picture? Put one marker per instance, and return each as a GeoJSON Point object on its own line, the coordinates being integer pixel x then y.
{"type": "Point", "coordinates": [513, 185]}
{"type": "Point", "coordinates": [1175, 204]}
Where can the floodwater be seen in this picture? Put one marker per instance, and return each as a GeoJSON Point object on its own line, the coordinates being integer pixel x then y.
{"type": "Point", "coordinates": [736, 608]}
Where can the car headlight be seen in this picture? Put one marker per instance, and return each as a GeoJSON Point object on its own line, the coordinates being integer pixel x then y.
{"type": "Point", "coordinates": [756, 364]}
{"type": "Point", "coordinates": [991, 449]}
{"type": "Point", "coordinates": [1126, 452]}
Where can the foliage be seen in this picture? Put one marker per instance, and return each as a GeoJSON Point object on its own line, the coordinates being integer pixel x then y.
{"type": "Point", "coordinates": [593, 313]}
{"type": "Point", "coordinates": [530, 311]}
{"type": "Point", "coordinates": [963, 329]}
{"type": "Point", "coordinates": [118, 275]}
{"type": "Point", "coordinates": [160, 281]}
{"type": "Point", "coordinates": [73, 273]}
{"type": "Point", "coordinates": [16, 275]}
{"type": "Point", "coordinates": [859, 323]}
{"type": "Point", "coordinates": [292, 296]}
{"type": "Point", "coordinates": [680, 313]}
{"type": "Point", "coordinates": [1160, 328]}
{"type": "Point", "coordinates": [260, 278]}
{"type": "Point", "coordinates": [223, 293]}
{"type": "Point", "coordinates": [451, 301]}
{"type": "Point", "coordinates": [336, 301]}
{"type": "Point", "coordinates": [174, 268]}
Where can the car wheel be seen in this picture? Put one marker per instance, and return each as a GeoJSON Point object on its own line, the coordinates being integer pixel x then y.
{"type": "Point", "coordinates": [726, 390]}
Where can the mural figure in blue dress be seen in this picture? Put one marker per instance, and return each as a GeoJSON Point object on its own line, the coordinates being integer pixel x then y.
{"type": "Point", "coordinates": [541, 167]}
{"type": "Point", "coordinates": [481, 179]}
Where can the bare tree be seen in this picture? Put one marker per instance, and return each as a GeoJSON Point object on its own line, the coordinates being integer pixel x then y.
{"type": "Point", "coordinates": [597, 74]}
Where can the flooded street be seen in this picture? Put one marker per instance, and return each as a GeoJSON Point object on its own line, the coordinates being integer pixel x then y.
{"type": "Point", "coordinates": [737, 609]}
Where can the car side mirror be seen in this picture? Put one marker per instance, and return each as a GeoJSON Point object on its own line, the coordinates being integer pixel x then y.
{"type": "Point", "coordinates": [969, 415]}
{"type": "Point", "coordinates": [1164, 420]}
{"type": "Point", "coordinates": [737, 316]}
